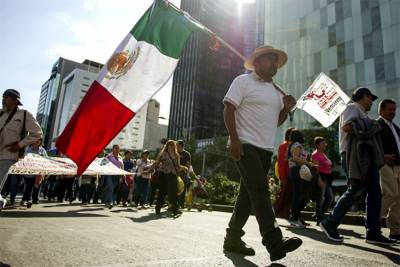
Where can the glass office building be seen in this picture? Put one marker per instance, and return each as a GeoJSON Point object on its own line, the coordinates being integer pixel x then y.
{"type": "Point", "coordinates": [203, 75]}
{"type": "Point", "coordinates": [355, 42]}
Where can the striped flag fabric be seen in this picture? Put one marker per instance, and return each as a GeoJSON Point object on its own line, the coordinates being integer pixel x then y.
{"type": "Point", "coordinates": [140, 66]}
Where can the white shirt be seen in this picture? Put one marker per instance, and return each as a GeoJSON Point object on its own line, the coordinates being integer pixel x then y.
{"type": "Point", "coordinates": [258, 105]}
{"type": "Point", "coordinates": [353, 110]}
{"type": "Point", "coordinates": [396, 136]}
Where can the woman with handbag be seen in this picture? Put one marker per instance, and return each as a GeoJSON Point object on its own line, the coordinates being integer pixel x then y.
{"type": "Point", "coordinates": [300, 175]}
{"type": "Point", "coordinates": [168, 165]}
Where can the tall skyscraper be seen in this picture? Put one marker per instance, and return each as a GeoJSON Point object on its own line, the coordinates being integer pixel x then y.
{"type": "Point", "coordinates": [355, 42]}
{"type": "Point", "coordinates": [203, 76]}
{"type": "Point", "coordinates": [50, 93]}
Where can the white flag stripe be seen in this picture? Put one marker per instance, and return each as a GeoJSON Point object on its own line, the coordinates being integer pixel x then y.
{"type": "Point", "coordinates": [150, 70]}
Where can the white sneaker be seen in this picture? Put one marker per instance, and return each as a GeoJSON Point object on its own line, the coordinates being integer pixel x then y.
{"type": "Point", "coordinates": [297, 224]}
{"type": "Point", "coordinates": [3, 203]}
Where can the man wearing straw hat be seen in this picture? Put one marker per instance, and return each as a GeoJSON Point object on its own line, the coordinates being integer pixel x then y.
{"type": "Point", "coordinates": [254, 108]}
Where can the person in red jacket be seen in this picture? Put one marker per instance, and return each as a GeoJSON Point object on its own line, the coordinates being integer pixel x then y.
{"type": "Point", "coordinates": [284, 200]}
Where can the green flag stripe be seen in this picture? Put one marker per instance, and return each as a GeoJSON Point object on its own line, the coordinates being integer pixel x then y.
{"type": "Point", "coordinates": [166, 28]}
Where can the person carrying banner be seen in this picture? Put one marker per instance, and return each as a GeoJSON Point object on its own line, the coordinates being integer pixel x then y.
{"type": "Point", "coordinates": [362, 156]}
{"type": "Point", "coordinates": [254, 108]}
{"type": "Point", "coordinates": [18, 129]}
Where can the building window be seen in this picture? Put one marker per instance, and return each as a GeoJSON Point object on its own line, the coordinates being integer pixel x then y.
{"type": "Point", "coordinates": [85, 84]}
{"type": "Point", "coordinates": [368, 46]}
{"type": "Point", "coordinates": [341, 58]}
{"type": "Point", "coordinates": [339, 11]}
{"type": "Point", "coordinates": [86, 78]}
{"type": "Point", "coordinates": [375, 19]}
{"type": "Point", "coordinates": [332, 35]}
{"type": "Point", "coordinates": [324, 17]}
{"type": "Point", "coordinates": [390, 67]}
{"type": "Point", "coordinates": [360, 72]}
{"type": "Point", "coordinates": [379, 69]}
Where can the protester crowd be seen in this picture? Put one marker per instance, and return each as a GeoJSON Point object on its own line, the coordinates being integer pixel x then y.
{"type": "Point", "coordinates": [370, 161]}
{"type": "Point", "coordinates": [150, 180]}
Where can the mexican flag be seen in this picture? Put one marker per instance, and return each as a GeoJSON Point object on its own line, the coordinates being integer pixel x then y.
{"type": "Point", "coordinates": [140, 66]}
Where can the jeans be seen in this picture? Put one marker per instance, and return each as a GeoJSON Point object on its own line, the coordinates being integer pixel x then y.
{"type": "Point", "coordinates": [111, 182]}
{"type": "Point", "coordinates": [254, 195]}
{"type": "Point", "coordinates": [86, 193]}
{"type": "Point", "coordinates": [373, 202]}
{"type": "Point", "coordinates": [29, 183]}
{"type": "Point", "coordinates": [66, 185]}
{"type": "Point", "coordinates": [14, 186]}
{"type": "Point", "coordinates": [325, 199]}
{"type": "Point", "coordinates": [141, 190]}
{"type": "Point", "coordinates": [300, 192]}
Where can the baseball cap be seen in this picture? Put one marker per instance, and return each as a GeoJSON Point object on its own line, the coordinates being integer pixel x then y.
{"type": "Point", "coordinates": [360, 92]}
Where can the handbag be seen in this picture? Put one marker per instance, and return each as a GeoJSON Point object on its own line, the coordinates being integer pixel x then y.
{"type": "Point", "coordinates": [305, 173]}
{"type": "Point", "coordinates": [181, 185]}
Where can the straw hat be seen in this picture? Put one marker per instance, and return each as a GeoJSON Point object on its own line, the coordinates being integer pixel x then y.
{"type": "Point", "coordinates": [262, 50]}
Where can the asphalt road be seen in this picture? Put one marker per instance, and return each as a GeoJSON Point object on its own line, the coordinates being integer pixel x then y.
{"type": "Point", "coordinates": [64, 235]}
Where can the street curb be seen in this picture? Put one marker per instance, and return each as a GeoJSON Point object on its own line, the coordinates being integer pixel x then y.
{"type": "Point", "coordinates": [350, 218]}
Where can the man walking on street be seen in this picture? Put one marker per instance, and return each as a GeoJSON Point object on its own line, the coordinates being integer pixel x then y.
{"type": "Point", "coordinates": [362, 156]}
{"type": "Point", "coordinates": [390, 172]}
{"type": "Point", "coordinates": [254, 108]}
{"type": "Point", "coordinates": [18, 129]}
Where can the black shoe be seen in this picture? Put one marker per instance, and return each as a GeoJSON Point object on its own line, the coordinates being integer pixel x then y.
{"type": "Point", "coordinates": [395, 237]}
{"type": "Point", "coordinates": [238, 246]}
{"type": "Point", "coordinates": [330, 232]}
{"type": "Point", "coordinates": [35, 202]}
{"type": "Point", "coordinates": [380, 240]}
{"type": "Point", "coordinates": [177, 213]}
{"type": "Point", "coordinates": [28, 204]}
{"type": "Point", "coordinates": [287, 245]}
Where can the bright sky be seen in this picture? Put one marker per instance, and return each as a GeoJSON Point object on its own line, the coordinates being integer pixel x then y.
{"type": "Point", "coordinates": [34, 34]}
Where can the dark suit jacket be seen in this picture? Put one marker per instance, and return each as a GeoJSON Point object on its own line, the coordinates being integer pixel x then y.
{"type": "Point", "coordinates": [389, 141]}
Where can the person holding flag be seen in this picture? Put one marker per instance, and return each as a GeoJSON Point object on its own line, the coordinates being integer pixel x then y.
{"type": "Point", "coordinates": [254, 108]}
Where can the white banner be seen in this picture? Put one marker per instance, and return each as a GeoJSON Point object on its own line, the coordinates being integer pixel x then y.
{"type": "Point", "coordinates": [324, 100]}
{"type": "Point", "coordinates": [33, 164]}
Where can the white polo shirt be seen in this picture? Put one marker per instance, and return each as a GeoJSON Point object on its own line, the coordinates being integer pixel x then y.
{"type": "Point", "coordinates": [258, 105]}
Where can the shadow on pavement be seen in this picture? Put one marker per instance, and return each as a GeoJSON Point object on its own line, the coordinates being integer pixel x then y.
{"type": "Point", "coordinates": [149, 217]}
{"type": "Point", "coordinates": [2, 264]}
{"type": "Point", "coordinates": [49, 214]}
{"type": "Point", "coordinates": [239, 260]}
{"type": "Point", "coordinates": [124, 210]}
{"type": "Point", "coordinates": [395, 258]}
{"type": "Point", "coordinates": [312, 233]}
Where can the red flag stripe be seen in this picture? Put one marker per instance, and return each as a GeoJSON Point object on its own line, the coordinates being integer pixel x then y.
{"type": "Point", "coordinates": [98, 119]}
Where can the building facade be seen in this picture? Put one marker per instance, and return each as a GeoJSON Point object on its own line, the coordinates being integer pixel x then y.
{"type": "Point", "coordinates": [50, 94]}
{"type": "Point", "coordinates": [74, 87]}
{"type": "Point", "coordinates": [203, 75]}
{"type": "Point", "coordinates": [143, 131]}
{"type": "Point", "coordinates": [355, 42]}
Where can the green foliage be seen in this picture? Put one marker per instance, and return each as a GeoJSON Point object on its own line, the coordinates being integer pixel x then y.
{"type": "Point", "coordinates": [221, 190]}
{"type": "Point", "coordinates": [217, 159]}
